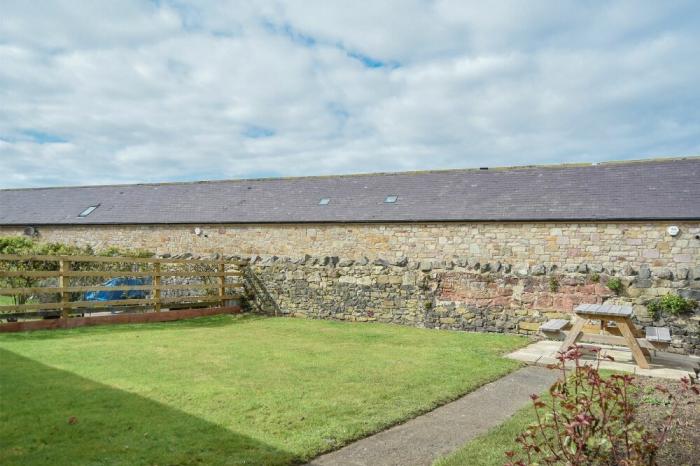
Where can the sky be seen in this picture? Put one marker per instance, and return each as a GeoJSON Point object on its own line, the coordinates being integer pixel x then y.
{"type": "Point", "coordinates": [130, 91]}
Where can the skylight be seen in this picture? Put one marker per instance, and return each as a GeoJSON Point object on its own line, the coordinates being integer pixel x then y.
{"type": "Point", "coordinates": [88, 211]}
{"type": "Point", "coordinates": [324, 201]}
{"type": "Point", "coordinates": [390, 199]}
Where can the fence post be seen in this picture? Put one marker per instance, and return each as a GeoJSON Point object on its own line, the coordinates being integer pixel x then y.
{"type": "Point", "coordinates": [222, 283]}
{"type": "Point", "coordinates": [156, 285]}
{"type": "Point", "coordinates": [63, 267]}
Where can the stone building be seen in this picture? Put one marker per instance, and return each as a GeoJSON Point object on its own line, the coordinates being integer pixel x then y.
{"type": "Point", "coordinates": [484, 249]}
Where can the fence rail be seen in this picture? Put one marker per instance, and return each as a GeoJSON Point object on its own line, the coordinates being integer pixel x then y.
{"type": "Point", "coordinates": [23, 276]}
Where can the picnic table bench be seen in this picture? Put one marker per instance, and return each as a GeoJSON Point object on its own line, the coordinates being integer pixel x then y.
{"type": "Point", "coordinates": [622, 318]}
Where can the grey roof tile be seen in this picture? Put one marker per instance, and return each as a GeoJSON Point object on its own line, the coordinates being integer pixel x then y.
{"type": "Point", "coordinates": [659, 189]}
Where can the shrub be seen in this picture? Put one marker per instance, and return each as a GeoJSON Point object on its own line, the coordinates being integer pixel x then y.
{"type": "Point", "coordinates": [671, 304]}
{"type": "Point", "coordinates": [595, 278]}
{"type": "Point", "coordinates": [553, 284]}
{"type": "Point", "coordinates": [592, 420]}
{"type": "Point", "coordinates": [654, 309]}
{"type": "Point", "coordinates": [615, 285]}
{"type": "Point", "coordinates": [25, 246]}
{"type": "Point", "coordinates": [674, 304]}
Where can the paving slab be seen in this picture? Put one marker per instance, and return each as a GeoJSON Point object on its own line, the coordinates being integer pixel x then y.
{"type": "Point", "coordinates": [663, 365]}
{"type": "Point", "coordinates": [422, 440]}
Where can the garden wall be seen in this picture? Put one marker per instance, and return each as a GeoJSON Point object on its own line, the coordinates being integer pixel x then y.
{"type": "Point", "coordinates": [502, 277]}
{"type": "Point", "coordinates": [464, 294]}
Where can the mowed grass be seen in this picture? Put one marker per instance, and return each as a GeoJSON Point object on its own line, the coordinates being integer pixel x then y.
{"type": "Point", "coordinates": [226, 389]}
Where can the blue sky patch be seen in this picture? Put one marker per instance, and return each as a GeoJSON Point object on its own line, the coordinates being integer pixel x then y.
{"type": "Point", "coordinates": [42, 137]}
{"type": "Point", "coordinates": [292, 34]}
{"type": "Point", "coordinates": [258, 132]}
{"type": "Point", "coordinates": [370, 62]}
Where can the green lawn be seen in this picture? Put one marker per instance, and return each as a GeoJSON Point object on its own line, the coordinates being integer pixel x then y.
{"type": "Point", "coordinates": [226, 390]}
{"type": "Point", "coordinates": [5, 300]}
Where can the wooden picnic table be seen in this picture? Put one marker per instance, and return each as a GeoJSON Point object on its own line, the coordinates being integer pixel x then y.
{"type": "Point", "coordinates": [621, 316]}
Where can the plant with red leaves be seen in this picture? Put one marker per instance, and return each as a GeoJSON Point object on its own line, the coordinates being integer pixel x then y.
{"type": "Point", "coordinates": [590, 419]}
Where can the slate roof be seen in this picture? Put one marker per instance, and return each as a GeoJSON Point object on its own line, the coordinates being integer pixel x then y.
{"type": "Point", "coordinates": [644, 190]}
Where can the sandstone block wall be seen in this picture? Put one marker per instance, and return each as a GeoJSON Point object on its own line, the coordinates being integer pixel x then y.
{"type": "Point", "coordinates": [552, 244]}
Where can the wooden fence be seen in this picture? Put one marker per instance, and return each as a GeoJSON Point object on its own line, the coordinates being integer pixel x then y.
{"type": "Point", "coordinates": [21, 276]}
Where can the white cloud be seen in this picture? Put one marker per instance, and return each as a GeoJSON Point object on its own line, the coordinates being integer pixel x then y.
{"type": "Point", "coordinates": [159, 90]}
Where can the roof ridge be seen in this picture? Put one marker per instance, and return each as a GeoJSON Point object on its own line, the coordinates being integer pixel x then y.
{"type": "Point", "coordinates": [351, 175]}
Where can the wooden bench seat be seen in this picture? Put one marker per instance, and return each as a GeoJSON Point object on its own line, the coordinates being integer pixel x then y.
{"type": "Point", "coordinates": [554, 325]}
{"type": "Point", "coordinates": [658, 334]}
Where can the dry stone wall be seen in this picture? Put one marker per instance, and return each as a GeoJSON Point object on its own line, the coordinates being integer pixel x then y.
{"type": "Point", "coordinates": [464, 294]}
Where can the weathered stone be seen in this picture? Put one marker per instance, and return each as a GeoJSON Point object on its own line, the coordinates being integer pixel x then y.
{"type": "Point", "coordinates": [663, 274]}
{"type": "Point", "coordinates": [347, 279]}
{"type": "Point", "coordinates": [425, 266]}
{"type": "Point", "coordinates": [364, 281]}
{"type": "Point", "coordinates": [644, 271]}
{"type": "Point", "coordinates": [570, 268]}
{"type": "Point", "coordinates": [346, 263]}
{"type": "Point", "coordinates": [690, 293]}
{"type": "Point", "coordinates": [408, 279]}
{"type": "Point", "coordinates": [642, 282]}
{"type": "Point", "coordinates": [438, 265]}
{"type": "Point", "coordinates": [362, 261]}
{"type": "Point", "coordinates": [529, 326]}
{"type": "Point", "coordinates": [400, 262]}
{"type": "Point", "coordinates": [389, 279]}
{"type": "Point", "coordinates": [695, 273]}
{"type": "Point", "coordinates": [582, 268]}
{"type": "Point", "coordinates": [380, 262]}
{"type": "Point", "coordinates": [595, 268]}
{"type": "Point", "coordinates": [538, 269]}
{"type": "Point", "coordinates": [268, 261]}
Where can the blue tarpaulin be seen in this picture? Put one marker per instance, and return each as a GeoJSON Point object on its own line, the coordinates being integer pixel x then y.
{"type": "Point", "coordinates": [119, 294]}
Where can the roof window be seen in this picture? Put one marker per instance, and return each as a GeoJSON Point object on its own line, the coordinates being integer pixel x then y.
{"type": "Point", "coordinates": [391, 199]}
{"type": "Point", "coordinates": [324, 201]}
{"type": "Point", "coordinates": [88, 211]}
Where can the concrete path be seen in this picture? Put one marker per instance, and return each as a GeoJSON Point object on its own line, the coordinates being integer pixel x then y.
{"type": "Point", "coordinates": [663, 365]}
{"type": "Point", "coordinates": [422, 440]}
